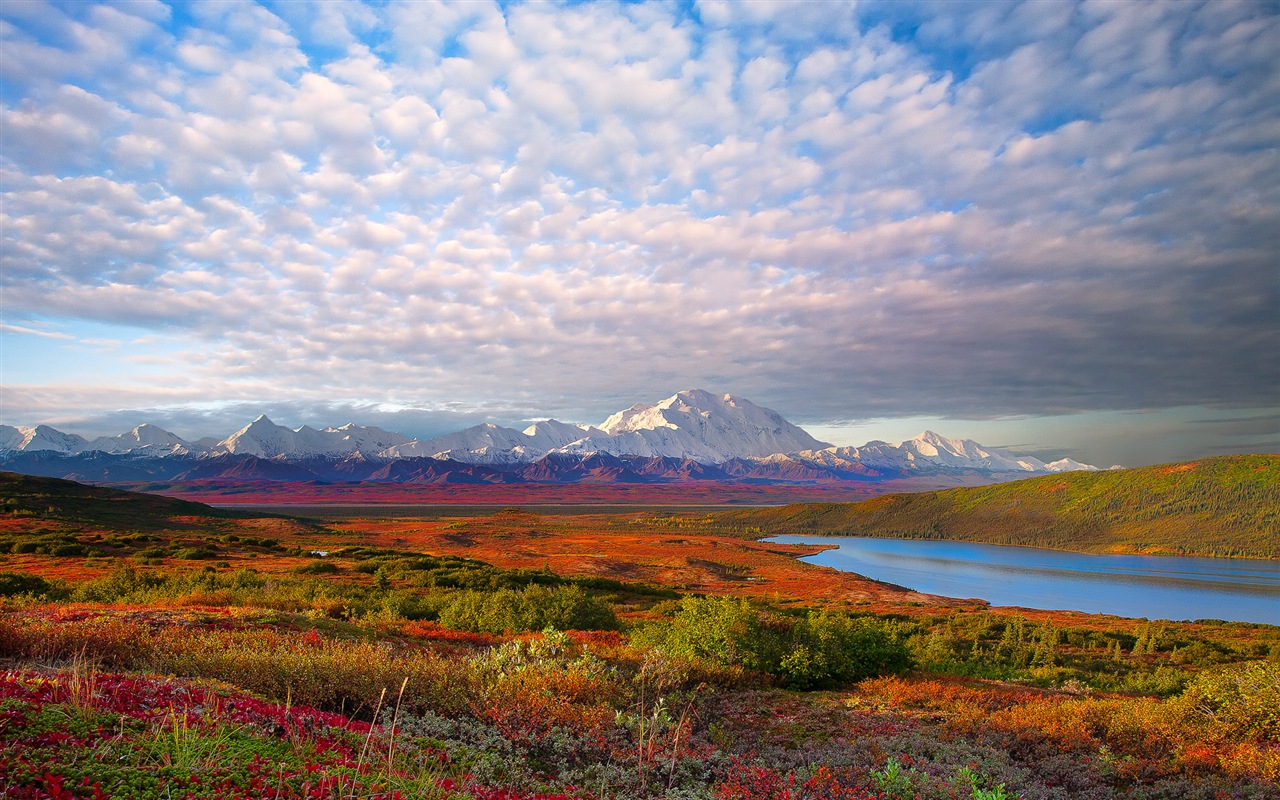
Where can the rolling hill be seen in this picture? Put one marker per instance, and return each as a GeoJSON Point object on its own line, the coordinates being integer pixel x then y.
{"type": "Point", "coordinates": [1224, 506]}
{"type": "Point", "coordinates": [54, 500]}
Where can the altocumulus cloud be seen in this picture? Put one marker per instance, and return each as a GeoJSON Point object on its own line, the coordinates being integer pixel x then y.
{"type": "Point", "coordinates": [840, 210]}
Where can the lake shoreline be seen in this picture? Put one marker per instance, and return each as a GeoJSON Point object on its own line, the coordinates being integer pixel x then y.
{"type": "Point", "coordinates": [1127, 585]}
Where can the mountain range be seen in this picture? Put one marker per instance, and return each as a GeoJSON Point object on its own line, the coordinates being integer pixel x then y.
{"type": "Point", "coordinates": [692, 435]}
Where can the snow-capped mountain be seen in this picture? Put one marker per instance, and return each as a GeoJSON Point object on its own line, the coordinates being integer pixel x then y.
{"type": "Point", "coordinates": [494, 444]}
{"type": "Point", "coordinates": [147, 438]}
{"type": "Point", "coordinates": [690, 427]}
{"type": "Point", "coordinates": [265, 439]}
{"type": "Point", "coordinates": [40, 437]}
{"type": "Point", "coordinates": [693, 424]}
{"type": "Point", "coordinates": [11, 438]}
{"type": "Point", "coordinates": [932, 454]}
{"type": "Point", "coordinates": [700, 426]}
{"type": "Point", "coordinates": [1071, 465]}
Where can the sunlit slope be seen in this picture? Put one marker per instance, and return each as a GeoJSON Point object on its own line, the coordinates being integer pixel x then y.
{"type": "Point", "coordinates": [1225, 506]}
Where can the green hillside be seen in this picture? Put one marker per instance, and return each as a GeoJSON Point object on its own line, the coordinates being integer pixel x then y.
{"type": "Point", "coordinates": [1226, 506]}
{"type": "Point", "coordinates": [57, 500]}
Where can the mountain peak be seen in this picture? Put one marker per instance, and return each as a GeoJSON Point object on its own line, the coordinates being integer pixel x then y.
{"type": "Point", "coordinates": [692, 425]}
{"type": "Point", "coordinates": [701, 426]}
{"type": "Point", "coordinates": [699, 398]}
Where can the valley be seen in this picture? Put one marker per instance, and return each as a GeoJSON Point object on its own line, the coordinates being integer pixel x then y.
{"type": "Point", "coordinates": [555, 652]}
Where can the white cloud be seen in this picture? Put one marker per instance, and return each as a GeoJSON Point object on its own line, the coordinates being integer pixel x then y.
{"type": "Point", "coordinates": [1043, 206]}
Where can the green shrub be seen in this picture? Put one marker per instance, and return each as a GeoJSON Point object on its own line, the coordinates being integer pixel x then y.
{"type": "Point", "coordinates": [118, 585]}
{"type": "Point", "coordinates": [820, 650]}
{"type": "Point", "coordinates": [829, 648]}
{"type": "Point", "coordinates": [318, 568]}
{"type": "Point", "coordinates": [1241, 701]}
{"type": "Point", "coordinates": [530, 609]}
{"type": "Point", "coordinates": [13, 583]}
{"type": "Point", "coordinates": [723, 629]}
{"type": "Point", "coordinates": [194, 553]}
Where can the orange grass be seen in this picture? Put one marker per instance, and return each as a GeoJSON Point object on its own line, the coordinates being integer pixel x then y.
{"type": "Point", "coordinates": [636, 546]}
{"type": "Point", "coordinates": [1148, 734]}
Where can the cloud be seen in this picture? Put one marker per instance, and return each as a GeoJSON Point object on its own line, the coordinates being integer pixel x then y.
{"type": "Point", "coordinates": [1018, 209]}
{"type": "Point", "coordinates": [19, 329]}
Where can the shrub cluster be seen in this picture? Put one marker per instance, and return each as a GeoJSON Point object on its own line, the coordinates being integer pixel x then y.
{"type": "Point", "coordinates": [1236, 702]}
{"type": "Point", "coordinates": [823, 648]}
{"type": "Point", "coordinates": [530, 609]}
{"type": "Point", "coordinates": [13, 584]}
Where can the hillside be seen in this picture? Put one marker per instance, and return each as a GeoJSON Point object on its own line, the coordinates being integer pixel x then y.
{"type": "Point", "coordinates": [67, 501]}
{"type": "Point", "coordinates": [1225, 506]}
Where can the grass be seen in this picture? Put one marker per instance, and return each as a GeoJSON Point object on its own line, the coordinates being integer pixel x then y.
{"type": "Point", "coordinates": [186, 678]}
{"type": "Point", "coordinates": [1226, 506]}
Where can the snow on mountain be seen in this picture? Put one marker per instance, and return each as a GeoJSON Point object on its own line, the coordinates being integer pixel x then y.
{"type": "Point", "coordinates": [10, 438]}
{"type": "Point", "coordinates": [265, 439]}
{"type": "Point", "coordinates": [1071, 465]}
{"type": "Point", "coordinates": [479, 444]}
{"type": "Point", "coordinates": [353, 438]}
{"type": "Point", "coordinates": [262, 438]}
{"type": "Point", "coordinates": [698, 425]}
{"type": "Point", "coordinates": [690, 426]}
{"type": "Point", "coordinates": [551, 434]}
{"type": "Point", "coordinates": [146, 438]}
{"type": "Point", "coordinates": [41, 437]}
{"type": "Point", "coordinates": [930, 454]}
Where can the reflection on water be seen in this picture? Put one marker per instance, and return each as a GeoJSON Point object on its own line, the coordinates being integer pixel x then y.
{"type": "Point", "coordinates": [1156, 587]}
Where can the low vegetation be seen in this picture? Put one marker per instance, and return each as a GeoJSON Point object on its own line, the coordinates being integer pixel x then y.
{"type": "Point", "coordinates": [1226, 506]}
{"type": "Point", "coordinates": [318, 660]}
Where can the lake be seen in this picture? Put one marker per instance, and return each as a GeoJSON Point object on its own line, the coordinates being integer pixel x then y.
{"type": "Point", "coordinates": [1156, 587]}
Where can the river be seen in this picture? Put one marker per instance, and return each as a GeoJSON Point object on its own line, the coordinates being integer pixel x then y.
{"type": "Point", "coordinates": [1155, 587]}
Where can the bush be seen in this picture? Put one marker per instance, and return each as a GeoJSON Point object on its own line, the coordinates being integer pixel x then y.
{"type": "Point", "coordinates": [530, 609]}
{"type": "Point", "coordinates": [1238, 702]}
{"type": "Point", "coordinates": [529, 688]}
{"type": "Point", "coordinates": [829, 648]}
{"type": "Point", "coordinates": [723, 629]}
{"type": "Point", "coordinates": [318, 568]}
{"type": "Point", "coordinates": [820, 650]}
{"type": "Point", "coordinates": [123, 582]}
{"type": "Point", "coordinates": [194, 553]}
{"type": "Point", "coordinates": [13, 583]}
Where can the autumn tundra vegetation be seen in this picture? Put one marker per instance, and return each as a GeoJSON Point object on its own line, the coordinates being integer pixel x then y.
{"type": "Point", "coordinates": [155, 648]}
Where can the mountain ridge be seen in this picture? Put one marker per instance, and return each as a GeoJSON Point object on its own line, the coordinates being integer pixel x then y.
{"type": "Point", "coordinates": [724, 435]}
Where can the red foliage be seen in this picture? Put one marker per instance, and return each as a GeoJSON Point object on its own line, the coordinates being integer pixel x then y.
{"type": "Point", "coordinates": [436, 632]}
{"type": "Point", "coordinates": [763, 783]}
{"type": "Point", "coordinates": [598, 638]}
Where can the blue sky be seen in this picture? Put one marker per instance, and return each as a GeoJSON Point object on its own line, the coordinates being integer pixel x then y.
{"type": "Point", "coordinates": [1048, 225]}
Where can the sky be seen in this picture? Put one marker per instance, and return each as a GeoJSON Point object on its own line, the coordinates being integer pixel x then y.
{"type": "Point", "coordinates": [1051, 226]}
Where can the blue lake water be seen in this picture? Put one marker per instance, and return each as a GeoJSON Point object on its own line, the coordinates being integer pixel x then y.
{"type": "Point", "coordinates": [1156, 587]}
